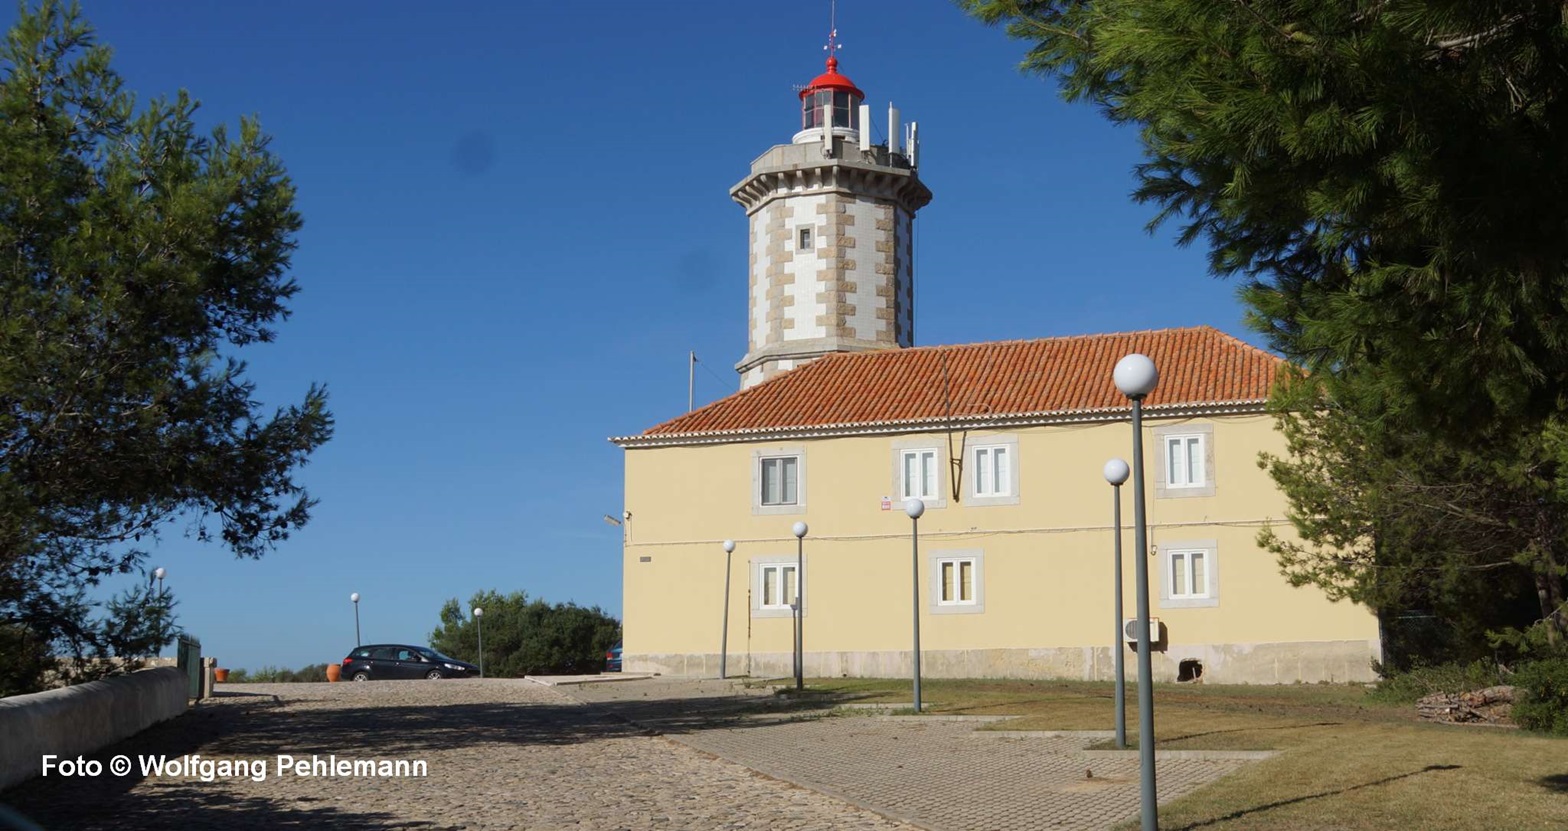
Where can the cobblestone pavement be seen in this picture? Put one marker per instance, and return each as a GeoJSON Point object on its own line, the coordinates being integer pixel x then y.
{"type": "Point", "coordinates": [937, 773]}
{"type": "Point", "coordinates": [650, 754]}
{"type": "Point", "coordinates": [501, 754]}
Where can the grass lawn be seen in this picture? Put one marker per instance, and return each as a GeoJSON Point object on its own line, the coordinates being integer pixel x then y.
{"type": "Point", "coordinates": [1348, 763]}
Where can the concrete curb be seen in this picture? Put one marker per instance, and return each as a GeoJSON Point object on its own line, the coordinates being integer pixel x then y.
{"type": "Point", "coordinates": [883, 705]}
{"type": "Point", "coordinates": [974, 719]}
{"type": "Point", "coordinates": [1194, 755]}
{"type": "Point", "coordinates": [1049, 734]}
{"type": "Point", "coordinates": [572, 680]}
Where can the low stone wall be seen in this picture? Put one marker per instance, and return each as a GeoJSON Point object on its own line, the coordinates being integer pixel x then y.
{"type": "Point", "coordinates": [81, 719]}
{"type": "Point", "coordinates": [1259, 663]}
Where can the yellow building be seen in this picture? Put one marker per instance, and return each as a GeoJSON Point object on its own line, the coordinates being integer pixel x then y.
{"type": "Point", "coordinates": [1005, 443]}
{"type": "Point", "coordinates": [839, 420]}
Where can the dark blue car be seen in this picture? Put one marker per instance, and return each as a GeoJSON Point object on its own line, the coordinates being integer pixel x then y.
{"type": "Point", "coordinates": [612, 659]}
{"type": "Point", "coordinates": [384, 662]}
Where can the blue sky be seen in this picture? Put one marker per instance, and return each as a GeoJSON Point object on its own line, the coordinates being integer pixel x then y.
{"type": "Point", "coordinates": [517, 224]}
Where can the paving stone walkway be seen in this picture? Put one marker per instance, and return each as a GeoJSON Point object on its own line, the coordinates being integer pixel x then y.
{"type": "Point", "coordinates": [628, 756]}
{"type": "Point", "coordinates": [937, 773]}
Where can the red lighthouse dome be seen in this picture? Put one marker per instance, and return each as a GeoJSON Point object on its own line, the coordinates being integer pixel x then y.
{"type": "Point", "coordinates": [832, 80]}
{"type": "Point", "coordinates": [835, 94]}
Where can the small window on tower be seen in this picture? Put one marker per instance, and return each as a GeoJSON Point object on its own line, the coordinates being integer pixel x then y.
{"type": "Point", "coordinates": [805, 239]}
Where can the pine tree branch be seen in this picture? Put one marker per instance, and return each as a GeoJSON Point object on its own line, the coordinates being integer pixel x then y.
{"type": "Point", "coordinates": [1460, 42]}
{"type": "Point", "coordinates": [1261, 19]}
{"type": "Point", "coordinates": [1369, 12]}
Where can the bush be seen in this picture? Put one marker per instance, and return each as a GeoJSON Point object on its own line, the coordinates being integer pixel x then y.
{"type": "Point", "coordinates": [279, 675]}
{"type": "Point", "coordinates": [1406, 687]}
{"type": "Point", "coordinates": [527, 637]}
{"type": "Point", "coordinates": [1544, 705]}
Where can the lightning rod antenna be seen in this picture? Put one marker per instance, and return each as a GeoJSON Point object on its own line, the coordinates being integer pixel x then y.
{"type": "Point", "coordinates": [833, 44]}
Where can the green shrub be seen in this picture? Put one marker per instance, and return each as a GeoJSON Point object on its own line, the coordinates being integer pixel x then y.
{"type": "Point", "coordinates": [1406, 687]}
{"type": "Point", "coordinates": [1544, 705]}
{"type": "Point", "coordinates": [280, 675]}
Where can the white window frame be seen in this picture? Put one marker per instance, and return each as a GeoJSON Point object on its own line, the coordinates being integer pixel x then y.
{"type": "Point", "coordinates": [786, 576]}
{"type": "Point", "coordinates": [1182, 551]}
{"type": "Point", "coordinates": [927, 473]}
{"type": "Point", "coordinates": [1163, 437]}
{"type": "Point", "coordinates": [976, 603]}
{"type": "Point", "coordinates": [940, 574]}
{"type": "Point", "coordinates": [1007, 494]}
{"type": "Point", "coordinates": [805, 238]}
{"type": "Point", "coordinates": [759, 566]}
{"type": "Point", "coordinates": [896, 481]}
{"type": "Point", "coordinates": [1193, 473]}
{"type": "Point", "coordinates": [758, 457]}
{"type": "Point", "coordinates": [787, 469]}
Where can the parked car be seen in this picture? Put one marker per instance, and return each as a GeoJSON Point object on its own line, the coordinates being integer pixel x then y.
{"type": "Point", "coordinates": [385, 662]}
{"type": "Point", "coordinates": [612, 659]}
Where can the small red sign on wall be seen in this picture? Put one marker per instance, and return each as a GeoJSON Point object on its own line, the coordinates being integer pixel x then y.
{"type": "Point", "coordinates": [887, 503]}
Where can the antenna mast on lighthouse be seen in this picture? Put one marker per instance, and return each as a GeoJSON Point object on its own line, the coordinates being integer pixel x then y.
{"type": "Point", "coordinates": [833, 44]}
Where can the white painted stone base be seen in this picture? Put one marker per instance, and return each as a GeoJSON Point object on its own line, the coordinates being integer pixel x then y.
{"type": "Point", "coordinates": [1257, 663]}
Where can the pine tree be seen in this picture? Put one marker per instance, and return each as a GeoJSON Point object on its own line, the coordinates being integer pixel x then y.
{"type": "Point", "coordinates": [138, 257]}
{"type": "Point", "coordinates": [1386, 177]}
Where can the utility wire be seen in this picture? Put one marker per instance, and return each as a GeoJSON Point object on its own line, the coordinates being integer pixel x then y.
{"type": "Point", "coordinates": [715, 375]}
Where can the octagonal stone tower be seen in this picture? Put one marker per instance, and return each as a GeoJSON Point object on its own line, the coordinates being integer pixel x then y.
{"type": "Point", "coordinates": [832, 218]}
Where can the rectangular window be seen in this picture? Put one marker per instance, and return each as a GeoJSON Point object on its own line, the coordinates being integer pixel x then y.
{"type": "Point", "coordinates": [993, 471]}
{"type": "Point", "coordinates": [918, 474]}
{"type": "Point", "coordinates": [956, 581]}
{"type": "Point", "coordinates": [780, 480]}
{"type": "Point", "coordinates": [778, 586]}
{"type": "Point", "coordinates": [805, 239]}
{"type": "Point", "coordinates": [1189, 574]}
{"type": "Point", "coordinates": [1184, 462]}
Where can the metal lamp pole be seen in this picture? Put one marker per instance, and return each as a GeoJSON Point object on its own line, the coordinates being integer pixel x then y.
{"type": "Point", "coordinates": [915, 507]}
{"type": "Point", "coordinates": [159, 573]}
{"type": "Point", "coordinates": [355, 597]}
{"type": "Point", "coordinates": [800, 604]}
{"type": "Point", "coordinates": [1116, 472]}
{"type": "Point", "coordinates": [724, 639]}
{"type": "Point", "coordinates": [479, 619]}
{"type": "Point", "coordinates": [1136, 377]}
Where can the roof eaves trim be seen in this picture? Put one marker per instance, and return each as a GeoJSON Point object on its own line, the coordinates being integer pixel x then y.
{"type": "Point", "coordinates": [911, 425]}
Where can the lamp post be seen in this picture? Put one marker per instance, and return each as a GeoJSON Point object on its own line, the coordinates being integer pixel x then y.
{"type": "Point", "coordinates": [914, 508]}
{"type": "Point", "coordinates": [800, 604]}
{"type": "Point", "coordinates": [159, 573]}
{"type": "Point", "coordinates": [479, 619]}
{"type": "Point", "coordinates": [724, 638]}
{"type": "Point", "coordinates": [355, 597]}
{"type": "Point", "coordinates": [1136, 377]}
{"type": "Point", "coordinates": [1116, 472]}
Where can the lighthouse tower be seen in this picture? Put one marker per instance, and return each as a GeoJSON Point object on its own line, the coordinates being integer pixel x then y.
{"type": "Point", "coordinates": [832, 217]}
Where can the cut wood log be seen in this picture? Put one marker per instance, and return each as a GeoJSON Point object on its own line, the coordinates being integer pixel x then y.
{"type": "Point", "coordinates": [1493, 705]}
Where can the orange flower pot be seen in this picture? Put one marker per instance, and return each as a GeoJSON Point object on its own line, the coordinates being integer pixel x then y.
{"type": "Point", "coordinates": [334, 672]}
{"type": "Point", "coordinates": [220, 675]}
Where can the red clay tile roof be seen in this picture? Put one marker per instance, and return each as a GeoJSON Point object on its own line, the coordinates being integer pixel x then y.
{"type": "Point", "coordinates": [1198, 366]}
